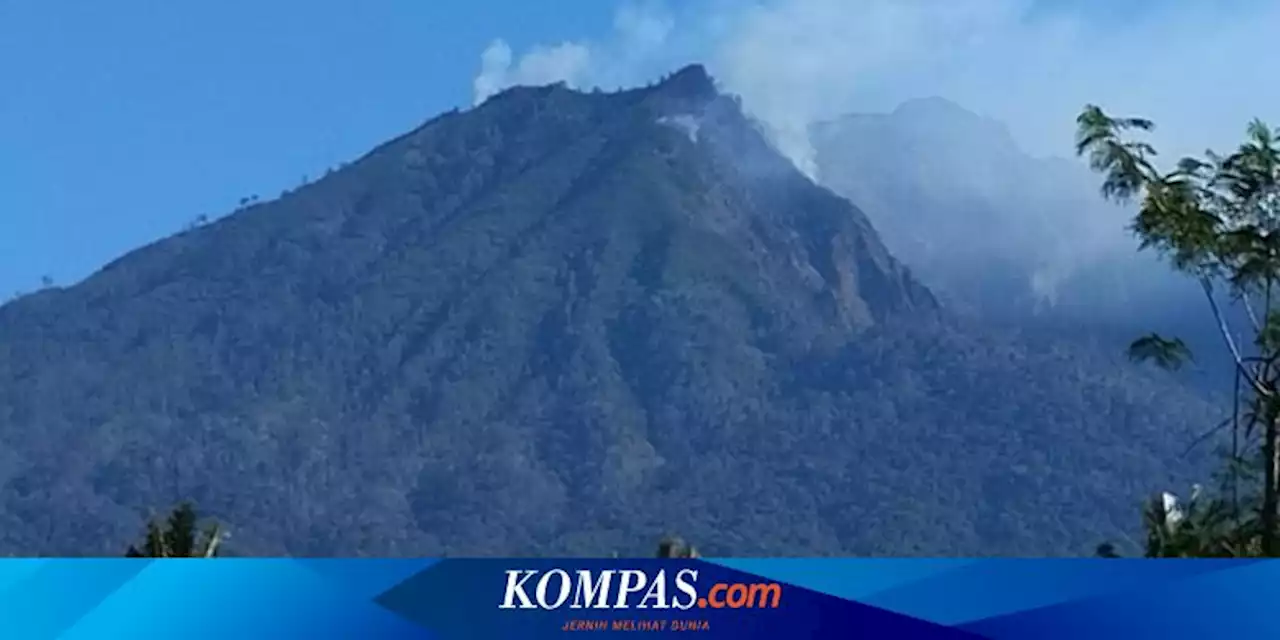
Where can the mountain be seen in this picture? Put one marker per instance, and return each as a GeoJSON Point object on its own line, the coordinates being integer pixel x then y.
{"type": "Point", "coordinates": [563, 323]}
{"type": "Point", "coordinates": [990, 226]}
{"type": "Point", "coordinates": [1007, 236]}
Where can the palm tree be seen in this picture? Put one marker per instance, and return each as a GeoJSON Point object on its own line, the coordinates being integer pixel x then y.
{"type": "Point", "coordinates": [179, 536]}
{"type": "Point", "coordinates": [1216, 219]}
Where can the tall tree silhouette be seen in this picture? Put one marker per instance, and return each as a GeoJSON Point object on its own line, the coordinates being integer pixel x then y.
{"type": "Point", "coordinates": [674, 547]}
{"type": "Point", "coordinates": [1215, 219]}
{"type": "Point", "coordinates": [179, 536]}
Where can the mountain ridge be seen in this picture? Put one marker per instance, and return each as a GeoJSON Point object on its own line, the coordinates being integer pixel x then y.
{"type": "Point", "coordinates": [556, 324]}
{"type": "Point", "coordinates": [984, 223]}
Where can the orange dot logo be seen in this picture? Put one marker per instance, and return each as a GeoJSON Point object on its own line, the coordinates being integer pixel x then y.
{"type": "Point", "coordinates": [702, 603]}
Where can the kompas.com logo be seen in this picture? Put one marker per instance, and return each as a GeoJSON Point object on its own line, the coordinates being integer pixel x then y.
{"type": "Point", "coordinates": [631, 588]}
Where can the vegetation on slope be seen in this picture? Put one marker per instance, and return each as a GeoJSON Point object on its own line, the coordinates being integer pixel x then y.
{"type": "Point", "coordinates": [558, 324]}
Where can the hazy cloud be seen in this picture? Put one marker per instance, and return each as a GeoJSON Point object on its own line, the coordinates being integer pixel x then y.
{"type": "Point", "coordinates": [633, 51]}
{"type": "Point", "coordinates": [1200, 68]}
{"type": "Point", "coordinates": [566, 62]}
{"type": "Point", "coordinates": [1197, 67]}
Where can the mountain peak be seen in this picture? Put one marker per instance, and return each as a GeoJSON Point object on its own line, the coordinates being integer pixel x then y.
{"type": "Point", "coordinates": [936, 106]}
{"type": "Point", "coordinates": [947, 129]}
{"type": "Point", "coordinates": [943, 118]}
{"type": "Point", "coordinates": [691, 82]}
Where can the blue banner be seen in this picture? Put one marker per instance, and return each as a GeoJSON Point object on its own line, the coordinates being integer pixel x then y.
{"type": "Point", "coordinates": [715, 598]}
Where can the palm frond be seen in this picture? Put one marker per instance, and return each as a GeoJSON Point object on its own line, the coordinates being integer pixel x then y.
{"type": "Point", "coordinates": [1166, 353]}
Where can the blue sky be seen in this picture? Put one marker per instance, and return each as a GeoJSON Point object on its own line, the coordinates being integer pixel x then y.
{"type": "Point", "coordinates": [121, 121]}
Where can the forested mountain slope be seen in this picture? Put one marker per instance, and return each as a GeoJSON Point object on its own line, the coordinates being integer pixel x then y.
{"type": "Point", "coordinates": [563, 323]}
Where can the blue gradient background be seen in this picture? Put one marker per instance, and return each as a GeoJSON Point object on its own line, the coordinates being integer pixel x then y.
{"type": "Point", "coordinates": [822, 598]}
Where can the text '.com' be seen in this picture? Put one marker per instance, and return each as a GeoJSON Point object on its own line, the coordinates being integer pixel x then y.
{"type": "Point", "coordinates": [631, 589]}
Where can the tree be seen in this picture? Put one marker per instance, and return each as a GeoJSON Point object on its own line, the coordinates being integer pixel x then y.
{"type": "Point", "coordinates": [180, 536]}
{"type": "Point", "coordinates": [1215, 219]}
{"type": "Point", "coordinates": [1203, 527]}
{"type": "Point", "coordinates": [674, 547]}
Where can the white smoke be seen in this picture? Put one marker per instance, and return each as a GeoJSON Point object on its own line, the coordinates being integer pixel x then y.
{"type": "Point", "coordinates": [640, 33]}
{"type": "Point", "coordinates": [565, 62]}
{"type": "Point", "coordinates": [1192, 66]}
{"type": "Point", "coordinates": [685, 123]}
{"type": "Point", "coordinates": [1198, 68]}
{"type": "Point", "coordinates": [803, 61]}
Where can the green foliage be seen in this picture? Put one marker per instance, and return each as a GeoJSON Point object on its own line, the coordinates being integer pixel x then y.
{"type": "Point", "coordinates": [1125, 163]}
{"type": "Point", "coordinates": [1106, 550]}
{"type": "Point", "coordinates": [1203, 527]}
{"type": "Point", "coordinates": [179, 536]}
{"type": "Point", "coordinates": [1215, 218]}
{"type": "Point", "coordinates": [1166, 353]}
{"type": "Point", "coordinates": [674, 547]}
